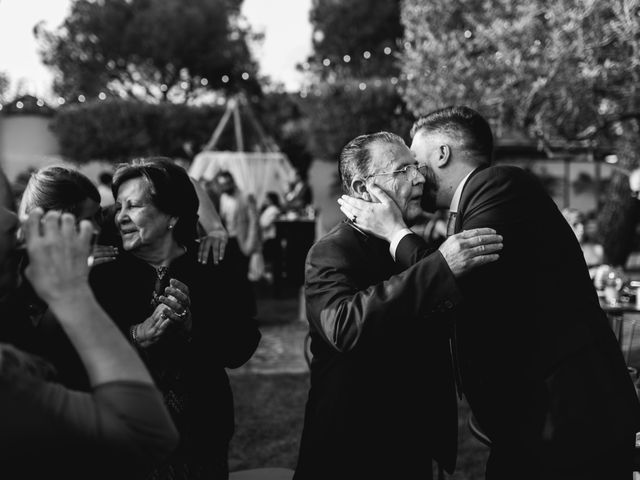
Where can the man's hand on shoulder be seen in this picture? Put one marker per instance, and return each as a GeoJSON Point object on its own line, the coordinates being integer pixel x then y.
{"type": "Point", "coordinates": [470, 249]}
{"type": "Point", "coordinates": [381, 218]}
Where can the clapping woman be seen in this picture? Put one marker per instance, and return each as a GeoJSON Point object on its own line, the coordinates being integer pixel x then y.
{"type": "Point", "coordinates": [177, 311]}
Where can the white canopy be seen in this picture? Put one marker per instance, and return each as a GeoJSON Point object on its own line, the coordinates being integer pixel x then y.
{"type": "Point", "coordinates": [254, 172]}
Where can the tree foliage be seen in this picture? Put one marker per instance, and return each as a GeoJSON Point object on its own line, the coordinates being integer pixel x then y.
{"type": "Point", "coordinates": [118, 130]}
{"type": "Point", "coordinates": [149, 49]}
{"type": "Point", "coordinates": [353, 28]}
{"type": "Point", "coordinates": [4, 85]}
{"type": "Point", "coordinates": [341, 111]}
{"type": "Point", "coordinates": [554, 69]}
{"type": "Point", "coordinates": [350, 98]}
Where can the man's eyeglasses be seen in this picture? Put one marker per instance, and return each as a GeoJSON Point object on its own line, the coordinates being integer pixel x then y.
{"type": "Point", "coordinates": [411, 171]}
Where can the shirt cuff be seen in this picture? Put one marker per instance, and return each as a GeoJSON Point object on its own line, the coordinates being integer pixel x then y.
{"type": "Point", "coordinates": [395, 240]}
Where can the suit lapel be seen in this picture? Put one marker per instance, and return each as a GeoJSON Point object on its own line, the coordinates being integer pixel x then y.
{"type": "Point", "coordinates": [467, 191]}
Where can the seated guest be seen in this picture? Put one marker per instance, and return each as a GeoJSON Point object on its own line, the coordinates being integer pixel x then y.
{"type": "Point", "coordinates": [120, 429]}
{"type": "Point", "coordinates": [177, 311]}
{"type": "Point", "coordinates": [593, 252]}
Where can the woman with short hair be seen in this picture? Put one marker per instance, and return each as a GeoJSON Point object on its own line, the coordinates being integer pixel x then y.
{"type": "Point", "coordinates": [178, 312]}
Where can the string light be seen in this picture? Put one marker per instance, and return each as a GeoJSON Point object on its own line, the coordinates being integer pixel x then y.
{"type": "Point", "coordinates": [326, 62]}
{"type": "Point", "coordinates": [81, 98]}
{"type": "Point", "coordinates": [102, 96]}
{"type": "Point", "coordinates": [362, 86]}
{"type": "Point", "coordinates": [163, 88]}
{"type": "Point", "coordinates": [225, 79]}
{"type": "Point", "coordinates": [245, 76]}
{"type": "Point", "coordinates": [367, 55]}
{"type": "Point", "coordinates": [40, 103]}
{"type": "Point", "coordinates": [467, 34]}
{"type": "Point", "coordinates": [387, 50]}
{"type": "Point", "coordinates": [61, 101]}
{"type": "Point", "coordinates": [204, 82]}
{"type": "Point", "coordinates": [19, 105]}
{"type": "Point", "coordinates": [346, 58]}
{"type": "Point", "coordinates": [184, 85]}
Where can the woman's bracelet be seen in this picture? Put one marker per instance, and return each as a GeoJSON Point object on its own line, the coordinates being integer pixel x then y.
{"type": "Point", "coordinates": [133, 333]}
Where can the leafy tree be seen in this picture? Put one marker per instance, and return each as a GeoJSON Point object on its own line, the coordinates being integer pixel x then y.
{"type": "Point", "coordinates": [4, 85]}
{"type": "Point", "coordinates": [353, 28]}
{"type": "Point", "coordinates": [340, 111]}
{"type": "Point", "coordinates": [117, 130]}
{"type": "Point", "coordinates": [150, 49]}
{"type": "Point", "coordinates": [554, 69]}
{"type": "Point", "coordinates": [353, 79]}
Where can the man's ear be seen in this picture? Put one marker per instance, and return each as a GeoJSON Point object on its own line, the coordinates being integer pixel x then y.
{"type": "Point", "coordinates": [359, 186]}
{"type": "Point", "coordinates": [444, 155]}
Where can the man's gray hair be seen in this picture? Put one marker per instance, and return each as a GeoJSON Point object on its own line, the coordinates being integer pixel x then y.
{"type": "Point", "coordinates": [355, 158]}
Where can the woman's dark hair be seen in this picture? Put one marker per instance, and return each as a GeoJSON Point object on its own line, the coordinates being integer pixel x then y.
{"type": "Point", "coordinates": [58, 188]}
{"type": "Point", "coordinates": [274, 198]}
{"type": "Point", "coordinates": [170, 190]}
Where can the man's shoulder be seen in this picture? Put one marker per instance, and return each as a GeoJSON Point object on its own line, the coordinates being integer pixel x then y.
{"type": "Point", "coordinates": [504, 173]}
{"type": "Point", "coordinates": [341, 237]}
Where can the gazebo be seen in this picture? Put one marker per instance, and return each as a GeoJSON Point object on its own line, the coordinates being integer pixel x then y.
{"type": "Point", "coordinates": [255, 172]}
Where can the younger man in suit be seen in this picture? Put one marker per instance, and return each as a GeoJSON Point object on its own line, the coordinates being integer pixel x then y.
{"type": "Point", "coordinates": [540, 366]}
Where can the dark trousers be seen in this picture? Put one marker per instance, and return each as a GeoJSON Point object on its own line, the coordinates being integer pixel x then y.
{"type": "Point", "coordinates": [590, 416]}
{"type": "Point", "coordinates": [238, 264]}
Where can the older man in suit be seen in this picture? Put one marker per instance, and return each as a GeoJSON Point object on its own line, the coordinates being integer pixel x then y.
{"type": "Point", "coordinates": [382, 401]}
{"type": "Point", "coordinates": [539, 364]}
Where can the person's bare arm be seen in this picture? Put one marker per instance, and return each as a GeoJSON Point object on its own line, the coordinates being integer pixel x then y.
{"type": "Point", "coordinates": [58, 270]}
{"type": "Point", "coordinates": [216, 238]}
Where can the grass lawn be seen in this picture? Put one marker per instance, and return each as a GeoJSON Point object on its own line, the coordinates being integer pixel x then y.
{"type": "Point", "coordinates": [269, 416]}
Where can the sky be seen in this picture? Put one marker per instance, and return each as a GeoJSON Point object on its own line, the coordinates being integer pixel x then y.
{"type": "Point", "coordinates": [285, 24]}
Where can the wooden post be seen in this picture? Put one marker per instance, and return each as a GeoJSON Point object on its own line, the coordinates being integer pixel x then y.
{"type": "Point", "coordinates": [220, 127]}
{"type": "Point", "coordinates": [238, 127]}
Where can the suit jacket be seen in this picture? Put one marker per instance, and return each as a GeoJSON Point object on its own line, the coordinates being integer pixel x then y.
{"type": "Point", "coordinates": [527, 316]}
{"type": "Point", "coordinates": [382, 400]}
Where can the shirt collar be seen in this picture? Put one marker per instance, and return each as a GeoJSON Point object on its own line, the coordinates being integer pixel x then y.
{"type": "Point", "coordinates": [455, 201]}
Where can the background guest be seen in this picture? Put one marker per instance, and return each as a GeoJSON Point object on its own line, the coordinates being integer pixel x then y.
{"type": "Point", "coordinates": [299, 194]}
{"type": "Point", "coordinates": [593, 252]}
{"type": "Point", "coordinates": [271, 249]}
{"type": "Point", "coordinates": [120, 429]}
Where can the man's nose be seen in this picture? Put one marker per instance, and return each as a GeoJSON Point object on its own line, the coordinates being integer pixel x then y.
{"type": "Point", "coordinates": [120, 215]}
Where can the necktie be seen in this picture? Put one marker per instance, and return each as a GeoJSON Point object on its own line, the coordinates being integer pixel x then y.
{"type": "Point", "coordinates": [451, 223]}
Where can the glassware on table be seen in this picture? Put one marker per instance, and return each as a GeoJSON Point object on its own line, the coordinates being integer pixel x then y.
{"type": "Point", "coordinates": [612, 284]}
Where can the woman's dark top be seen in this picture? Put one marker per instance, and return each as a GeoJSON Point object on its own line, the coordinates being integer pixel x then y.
{"type": "Point", "coordinates": [188, 367]}
{"type": "Point", "coordinates": [119, 430]}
